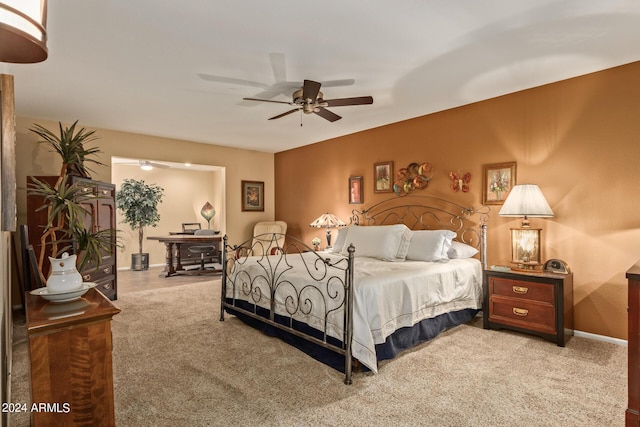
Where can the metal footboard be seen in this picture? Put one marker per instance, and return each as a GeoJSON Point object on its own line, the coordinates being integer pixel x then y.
{"type": "Point", "coordinates": [262, 288]}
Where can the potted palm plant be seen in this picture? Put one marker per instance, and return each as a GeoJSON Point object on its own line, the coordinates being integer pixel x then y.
{"type": "Point", "coordinates": [64, 201]}
{"type": "Point", "coordinates": [139, 201]}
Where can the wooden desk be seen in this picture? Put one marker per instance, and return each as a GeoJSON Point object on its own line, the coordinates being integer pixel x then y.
{"type": "Point", "coordinates": [175, 250]}
{"type": "Point", "coordinates": [70, 349]}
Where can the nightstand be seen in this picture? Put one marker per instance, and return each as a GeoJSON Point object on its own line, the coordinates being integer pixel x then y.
{"type": "Point", "coordinates": [538, 303]}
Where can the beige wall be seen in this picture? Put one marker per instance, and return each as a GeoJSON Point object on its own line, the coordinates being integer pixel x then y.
{"type": "Point", "coordinates": [185, 192]}
{"type": "Point", "coordinates": [35, 159]}
{"type": "Point", "coordinates": [578, 139]}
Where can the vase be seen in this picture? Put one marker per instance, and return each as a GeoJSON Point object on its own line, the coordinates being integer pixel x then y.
{"type": "Point", "coordinates": [64, 275]}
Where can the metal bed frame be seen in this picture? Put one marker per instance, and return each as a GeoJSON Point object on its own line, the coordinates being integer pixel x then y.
{"type": "Point", "coordinates": [334, 275]}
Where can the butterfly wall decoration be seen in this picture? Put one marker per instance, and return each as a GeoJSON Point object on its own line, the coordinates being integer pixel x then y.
{"type": "Point", "coordinates": [460, 183]}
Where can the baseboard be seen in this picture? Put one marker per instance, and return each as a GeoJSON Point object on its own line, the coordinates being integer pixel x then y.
{"type": "Point", "coordinates": [150, 265]}
{"type": "Point", "coordinates": [597, 337]}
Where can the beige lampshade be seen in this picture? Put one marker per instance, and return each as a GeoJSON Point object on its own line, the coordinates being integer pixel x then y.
{"type": "Point", "coordinates": [327, 220]}
{"type": "Point", "coordinates": [527, 201]}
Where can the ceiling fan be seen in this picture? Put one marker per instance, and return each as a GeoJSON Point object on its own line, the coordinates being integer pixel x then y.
{"type": "Point", "coordinates": [143, 164]}
{"type": "Point", "coordinates": [281, 85]}
{"type": "Point", "coordinates": [309, 99]}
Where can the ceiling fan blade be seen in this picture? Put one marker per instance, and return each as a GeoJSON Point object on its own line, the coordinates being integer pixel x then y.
{"type": "Point", "coordinates": [222, 79]}
{"type": "Point", "coordinates": [284, 114]}
{"type": "Point", "coordinates": [279, 66]}
{"type": "Point", "coordinates": [341, 102]}
{"type": "Point", "coordinates": [326, 114]}
{"type": "Point", "coordinates": [268, 100]}
{"type": "Point", "coordinates": [334, 83]}
{"type": "Point", "coordinates": [310, 90]}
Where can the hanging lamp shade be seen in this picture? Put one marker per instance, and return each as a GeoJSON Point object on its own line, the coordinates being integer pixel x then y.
{"type": "Point", "coordinates": [23, 32]}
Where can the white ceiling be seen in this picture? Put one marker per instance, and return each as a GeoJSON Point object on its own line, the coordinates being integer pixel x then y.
{"type": "Point", "coordinates": [180, 69]}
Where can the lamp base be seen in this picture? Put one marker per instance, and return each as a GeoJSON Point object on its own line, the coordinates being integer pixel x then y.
{"type": "Point", "coordinates": [525, 266]}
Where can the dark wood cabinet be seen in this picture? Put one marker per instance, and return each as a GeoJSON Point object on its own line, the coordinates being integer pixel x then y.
{"type": "Point", "coordinates": [101, 216]}
{"type": "Point", "coordinates": [538, 303]}
{"type": "Point", "coordinates": [632, 416]}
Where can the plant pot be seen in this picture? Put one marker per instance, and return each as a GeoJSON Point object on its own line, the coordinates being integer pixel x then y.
{"type": "Point", "coordinates": [139, 262]}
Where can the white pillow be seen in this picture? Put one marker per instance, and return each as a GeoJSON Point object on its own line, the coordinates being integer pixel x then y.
{"type": "Point", "coordinates": [461, 250]}
{"type": "Point", "coordinates": [430, 245]}
{"type": "Point", "coordinates": [386, 242]}
{"type": "Point", "coordinates": [340, 239]}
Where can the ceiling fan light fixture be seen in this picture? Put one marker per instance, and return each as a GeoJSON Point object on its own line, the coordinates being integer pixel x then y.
{"type": "Point", "coordinates": [23, 33]}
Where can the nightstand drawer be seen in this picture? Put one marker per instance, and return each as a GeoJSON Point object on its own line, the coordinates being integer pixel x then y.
{"type": "Point", "coordinates": [531, 291]}
{"type": "Point", "coordinates": [523, 314]}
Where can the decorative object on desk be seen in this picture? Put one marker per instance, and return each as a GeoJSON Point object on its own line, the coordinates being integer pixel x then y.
{"type": "Point", "coordinates": [460, 182]}
{"type": "Point", "coordinates": [498, 179]}
{"type": "Point", "coordinates": [65, 201]}
{"type": "Point", "coordinates": [329, 221]}
{"type": "Point", "coordinates": [413, 177]}
{"type": "Point", "coordinates": [64, 276]}
{"type": "Point", "coordinates": [23, 31]}
{"type": "Point", "coordinates": [316, 243]}
{"type": "Point", "coordinates": [190, 227]}
{"type": "Point", "coordinates": [208, 212]}
{"type": "Point", "coordinates": [139, 201]}
{"type": "Point", "coordinates": [355, 190]}
{"type": "Point", "coordinates": [253, 196]}
{"type": "Point", "coordinates": [383, 177]}
{"type": "Point", "coordinates": [526, 201]}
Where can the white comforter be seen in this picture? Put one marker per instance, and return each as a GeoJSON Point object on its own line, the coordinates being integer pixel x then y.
{"type": "Point", "coordinates": [387, 296]}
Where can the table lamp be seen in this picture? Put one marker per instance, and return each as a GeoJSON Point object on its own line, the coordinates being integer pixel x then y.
{"type": "Point", "coordinates": [207, 213]}
{"type": "Point", "coordinates": [526, 201]}
{"type": "Point", "coordinates": [329, 221]}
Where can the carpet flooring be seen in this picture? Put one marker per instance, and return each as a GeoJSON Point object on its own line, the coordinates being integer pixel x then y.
{"type": "Point", "coordinates": [176, 364]}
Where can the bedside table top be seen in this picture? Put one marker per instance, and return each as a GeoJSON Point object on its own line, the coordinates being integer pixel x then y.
{"type": "Point", "coordinates": [531, 273]}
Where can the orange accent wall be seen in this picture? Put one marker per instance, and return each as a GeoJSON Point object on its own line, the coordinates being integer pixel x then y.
{"type": "Point", "coordinates": [578, 139]}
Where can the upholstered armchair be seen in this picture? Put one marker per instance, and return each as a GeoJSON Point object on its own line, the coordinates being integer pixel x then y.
{"type": "Point", "coordinates": [264, 240]}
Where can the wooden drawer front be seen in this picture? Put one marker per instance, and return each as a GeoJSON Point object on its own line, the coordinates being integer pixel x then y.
{"type": "Point", "coordinates": [531, 291]}
{"type": "Point", "coordinates": [523, 314]}
{"type": "Point", "coordinates": [93, 275]}
{"type": "Point", "coordinates": [107, 287]}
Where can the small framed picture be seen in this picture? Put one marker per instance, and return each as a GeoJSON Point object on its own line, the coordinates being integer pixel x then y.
{"type": "Point", "coordinates": [498, 180]}
{"type": "Point", "coordinates": [253, 196]}
{"type": "Point", "coordinates": [383, 177]}
{"type": "Point", "coordinates": [355, 190]}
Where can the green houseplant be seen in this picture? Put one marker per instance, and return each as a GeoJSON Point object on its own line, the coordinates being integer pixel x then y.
{"type": "Point", "coordinates": [139, 201]}
{"type": "Point", "coordinates": [65, 229]}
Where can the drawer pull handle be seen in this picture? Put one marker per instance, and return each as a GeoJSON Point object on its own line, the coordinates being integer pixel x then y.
{"type": "Point", "coordinates": [520, 290]}
{"type": "Point", "coordinates": [86, 277]}
{"type": "Point", "coordinates": [107, 286]}
{"type": "Point", "coordinates": [520, 311]}
{"type": "Point", "coordinates": [106, 270]}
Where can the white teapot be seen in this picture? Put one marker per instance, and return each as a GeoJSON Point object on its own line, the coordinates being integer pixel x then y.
{"type": "Point", "coordinates": [64, 275]}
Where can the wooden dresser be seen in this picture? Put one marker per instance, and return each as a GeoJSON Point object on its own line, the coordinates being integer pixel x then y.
{"type": "Point", "coordinates": [102, 215]}
{"type": "Point", "coordinates": [70, 350]}
{"type": "Point", "coordinates": [538, 303]}
{"type": "Point", "coordinates": [632, 416]}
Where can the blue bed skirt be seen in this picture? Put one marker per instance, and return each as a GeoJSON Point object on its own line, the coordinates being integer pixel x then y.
{"type": "Point", "coordinates": [400, 340]}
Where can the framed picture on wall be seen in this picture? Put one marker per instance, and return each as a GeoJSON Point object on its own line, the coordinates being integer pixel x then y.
{"type": "Point", "coordinates": [498, 179]}
{"type": "Point", "coordinates": [383, 177]}
{"type": "Point", "coordinates": [355, 190]}
{"type": "Point", "coordinates": [253, 196]}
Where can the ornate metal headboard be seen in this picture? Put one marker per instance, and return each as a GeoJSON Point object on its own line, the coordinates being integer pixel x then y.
{"type": "Point", "coordinates": [430, 213]}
